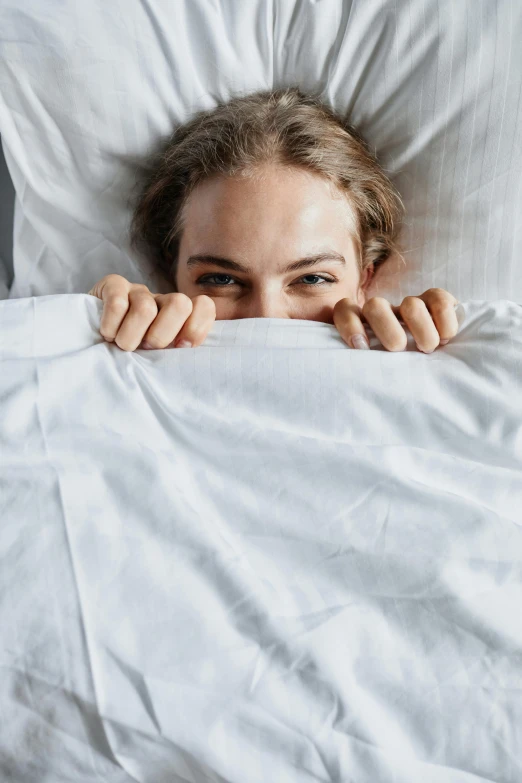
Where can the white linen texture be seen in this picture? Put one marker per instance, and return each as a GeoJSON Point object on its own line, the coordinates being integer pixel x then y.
{"type": "Point", "coordinates": [268, 558]}
{"type": "Point", "coordinates": [89, 90]}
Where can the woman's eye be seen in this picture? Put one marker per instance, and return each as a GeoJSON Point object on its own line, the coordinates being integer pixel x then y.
{"type": "Point", "coordinates": [320, 277]}
{"type": "Point", "coordinates": [206, 280]}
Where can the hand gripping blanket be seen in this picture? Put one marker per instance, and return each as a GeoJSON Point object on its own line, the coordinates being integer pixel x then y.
{"type": "Point", "coordinates": [268, 559]}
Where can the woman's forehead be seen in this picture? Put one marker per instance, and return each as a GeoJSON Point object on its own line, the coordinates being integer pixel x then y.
{"type": "Point", "coordinates": [266, 228]}
{"type": "Point", "coordinates": [285, 198]}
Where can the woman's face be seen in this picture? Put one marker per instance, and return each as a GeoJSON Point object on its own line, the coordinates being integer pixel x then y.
{"type": "Point", "coordinates": [241, 235]}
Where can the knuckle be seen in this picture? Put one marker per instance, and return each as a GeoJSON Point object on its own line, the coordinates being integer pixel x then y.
{"type": "Point", "coordinates": [205, 300]}
{"type": "Point", "coordinates": [113, 278]}
{"type": "Point", "coordinates": [374, 304]}
{"type": "Point", "coordinates": [118, 302]}
{"type": "Point", "coordinates": [182, 302]}
{"type": "Point", "coordinates": [411, 306]}
{"type": "Point", "coordinates": [440, 307]}
{"type": "Point", "coordinates": [341, 312]}
{"type": "Point", "coordinates": [146, 306]}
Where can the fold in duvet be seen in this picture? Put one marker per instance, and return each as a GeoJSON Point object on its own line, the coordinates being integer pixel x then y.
{"type": "Point", "coordinates": [268, 558]}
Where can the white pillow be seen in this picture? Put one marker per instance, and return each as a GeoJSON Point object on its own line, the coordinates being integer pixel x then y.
{"type": "Point", "coordinates": [87, 90]}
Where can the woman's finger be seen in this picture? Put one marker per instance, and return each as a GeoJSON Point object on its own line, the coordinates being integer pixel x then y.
{"type": "Point", "coordinates": [199, 323]}
{"type": "Point", "coordinates": [441, 311]}
{"type": "Point", "coordinates": [384, 323]}
{"type": "Point", "coordinates": [180, 320]}
{"type": "Point", "coordinates": [142, 311]}
{"type": "Point", "coordinates": [417, 318]}
{"type": "Point", "coordinates": [113, 290]}
{"type": "Point", "coordinates": [173, 311]}
{"type": "Point", "coordinates": [347, 319]}
{"type": "Point", "coordinates": [441, 305]}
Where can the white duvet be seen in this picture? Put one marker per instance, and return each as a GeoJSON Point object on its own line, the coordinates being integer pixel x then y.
{"type": "Point", "coordinates": [268, 559]}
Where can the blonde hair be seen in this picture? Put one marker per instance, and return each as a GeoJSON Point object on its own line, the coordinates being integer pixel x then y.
{"type": "Point", "coordinates": [283, 126]}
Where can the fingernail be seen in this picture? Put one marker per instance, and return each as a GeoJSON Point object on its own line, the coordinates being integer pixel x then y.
{"type": "Point", "coordinates": [360, 341]}
{"type": "Point", "coordinates": [444, 342]}
{"type": "Point", "coordinates": [146, 346]}
{"type": "Point", "coordinates": [183, 344]}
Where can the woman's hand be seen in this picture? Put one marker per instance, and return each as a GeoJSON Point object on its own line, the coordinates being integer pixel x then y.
{"type": "Point", "coordinates": [430, 318]}
{"type": "Point", "coordinates": [133, 317]}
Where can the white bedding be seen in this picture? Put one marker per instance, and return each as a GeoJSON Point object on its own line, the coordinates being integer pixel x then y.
{"type": "Point", "coordinates": [269, 558]}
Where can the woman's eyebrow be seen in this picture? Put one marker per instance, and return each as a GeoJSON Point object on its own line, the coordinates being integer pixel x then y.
{"type": "Point", "coordinates": [226, 263]}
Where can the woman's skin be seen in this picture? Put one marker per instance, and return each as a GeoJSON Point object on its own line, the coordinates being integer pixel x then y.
{"type": "Point", "coordinates": [265, 223]}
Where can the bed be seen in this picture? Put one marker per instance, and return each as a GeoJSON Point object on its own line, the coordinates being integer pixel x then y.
{"type": "Point", "coordinates": [269, 558]}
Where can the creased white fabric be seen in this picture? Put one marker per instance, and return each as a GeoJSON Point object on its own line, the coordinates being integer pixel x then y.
{"type": "Point", "coordinates": [89, 89]}
{"type": "Point", "coordinates": [268, 558]}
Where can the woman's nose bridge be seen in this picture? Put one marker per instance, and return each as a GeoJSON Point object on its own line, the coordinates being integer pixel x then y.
{"type": "Point", "coordinates": [266, 303]}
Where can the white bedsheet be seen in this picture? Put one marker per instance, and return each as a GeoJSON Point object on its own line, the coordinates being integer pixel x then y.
{"type": "Point", "coordinates": [269, 558]}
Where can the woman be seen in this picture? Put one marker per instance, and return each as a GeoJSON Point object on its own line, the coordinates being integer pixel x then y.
{"type": "Point", "coordinates": [276, 189]}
